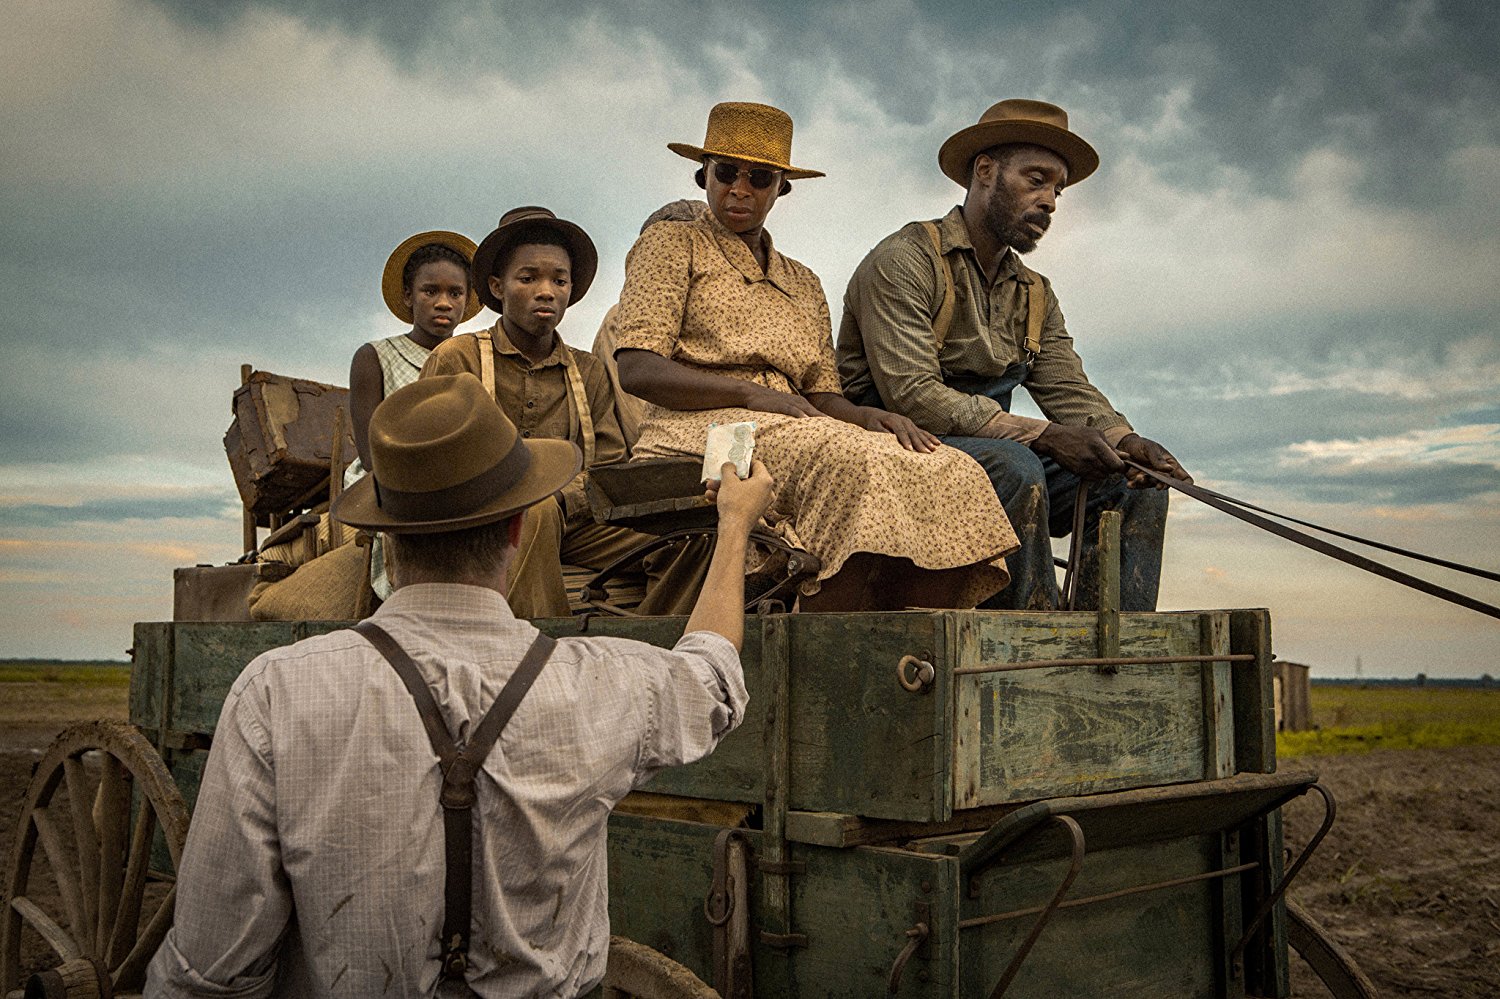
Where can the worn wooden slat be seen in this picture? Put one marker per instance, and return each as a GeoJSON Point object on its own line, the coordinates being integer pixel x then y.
{"type": "Point", "coordinates": [62, 944]}
{"type": "Point", "coordinates": [776, 895]}
{"type": "Point", "coordinates": [60, 859]}
{"type": "Point", "coordinates": [841, 830]}
{"type": "Point", "coordinates": [1218, 713]}
{"type": "Point", "coordinates": [1075, 730]}
{"type": "Point", "coordinates": [131, 973]}
{"type": "Point", "coordinates": [1160, 943]}
{"type": "Point", "coordinates": [208, 658]}
{"type": "Point", "coordinates": [1109, 585]}
{"type": "Point", "coordinates": [150, 672]}
{"type": "Point", "coordinates": [126, 922]}
{"type": "Point", "coordinates": [1254, 703]}
{"type": "Point", "coordinates": [861, 743]}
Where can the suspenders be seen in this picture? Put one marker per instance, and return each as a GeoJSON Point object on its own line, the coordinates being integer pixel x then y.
{"type": "Point", "coordinates": [459, 765]}
{"type": "Point", "coordinates": [579, 410]}
{"type": "Point", "coordinates": [1036, 298]}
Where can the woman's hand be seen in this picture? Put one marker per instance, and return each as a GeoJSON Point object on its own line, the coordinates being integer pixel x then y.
{"type": "Point", "coordinates": [768, 400]}
{"type": "Point", "coordinates": [911, 436]}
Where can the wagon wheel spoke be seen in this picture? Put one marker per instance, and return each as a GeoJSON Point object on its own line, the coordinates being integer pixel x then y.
{"type": "Point", "coordinates": [126, 921]}
{"type": "Point", "coordinates": [79, 797]}
{"type": "Point", "coordinates": [112, 820]}
{"type": "Point", "coordinates": [57, 938]}
{"type": "Point", "coordinates": [121, 804]}
{"type": "Point", "coordinates": [132, 971]}
{"type": "Point", "coordinates": [51, 837]}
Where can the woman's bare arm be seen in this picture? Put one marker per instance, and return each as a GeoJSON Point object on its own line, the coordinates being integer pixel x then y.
{"type": "Point", "coordinates": [666, 383]}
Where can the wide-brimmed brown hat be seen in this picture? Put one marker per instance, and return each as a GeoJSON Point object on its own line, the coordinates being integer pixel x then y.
{"type": "Point", "coordinates": [514, 226]}
{"type": "Point", "coordinates": [1018, 120]}
{"type": "Point", "coordinates": [390, 281]}
{"type": "Point", "coordinates": [444, 456]}
{"type": "Point", "coordinates": [753, 133]}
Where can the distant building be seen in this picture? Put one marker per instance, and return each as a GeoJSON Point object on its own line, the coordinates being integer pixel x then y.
{"type": "Point", "coordinates": [1293, 703]}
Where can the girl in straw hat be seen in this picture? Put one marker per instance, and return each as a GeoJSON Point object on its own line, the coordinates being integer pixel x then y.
{"type": "Point", "coordinates": [426, 284]}
{"type": "Point", "coordinates": [716, 326]}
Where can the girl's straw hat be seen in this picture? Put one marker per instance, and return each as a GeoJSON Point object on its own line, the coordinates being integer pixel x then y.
{"type": "Point", "coordinates": [752, 133]}
{"type": "Point", "coordinates": [390, 281]}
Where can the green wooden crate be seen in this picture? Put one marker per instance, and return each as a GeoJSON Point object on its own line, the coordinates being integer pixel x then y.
{"type": "Point", "coordinates": [861, 744]}
{"type": "Point", "coordinates": [1169, 929]}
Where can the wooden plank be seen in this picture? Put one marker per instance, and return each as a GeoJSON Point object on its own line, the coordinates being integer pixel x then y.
{"type": "Point", "coordinates": [1109, 586]}
{"type": "Point", "coordinates": [1253, 700]}
{"type": "Point", "coordinates": [150, 671]}
{"type": "Point", "coordinates": [840, 830]}
{"type": "Point", "coordinates": [1074, 730]}
{"type": "Point", "coordinates": [208, 658]}
{"type": "Point", "coordinates": [1160, 943]}
{"type": "Point", "coordinates": [855, 907]}
{"type": "Point", "coordinates": [861, 743]}
{"type": "Point", "coordinates": [1218, 712]}
{"type": "Point", "coordinates": [776, 890]}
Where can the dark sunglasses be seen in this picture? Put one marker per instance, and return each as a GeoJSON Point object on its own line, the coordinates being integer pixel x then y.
{"type": "Point", "coordinates": [760, 177]}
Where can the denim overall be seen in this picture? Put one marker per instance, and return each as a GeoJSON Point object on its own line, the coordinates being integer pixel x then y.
{"type": "Point", "coordinates": [1038, 496]}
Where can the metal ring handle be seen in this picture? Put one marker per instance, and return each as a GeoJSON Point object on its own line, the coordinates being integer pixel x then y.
{"type": "Point", "coordinates": [918, 681]}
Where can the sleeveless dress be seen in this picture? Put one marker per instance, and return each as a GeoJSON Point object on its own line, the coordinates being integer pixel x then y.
{"type": "Point", "coordinates": [401, 361]}
{"type": "Point", "coordinates": [695, 293]}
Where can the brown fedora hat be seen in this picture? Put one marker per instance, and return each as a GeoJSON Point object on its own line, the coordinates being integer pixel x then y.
{"type": "Point", "coordinates": [752, 133]}
{"type": "Point", "coordinates": [513, 227]}
{"type": "Point", "coordinates": [390, 281]}
{"type": "Point", "coordinates": [1017, 120]}
{"type": "Point", "coordinates": [444, 457]}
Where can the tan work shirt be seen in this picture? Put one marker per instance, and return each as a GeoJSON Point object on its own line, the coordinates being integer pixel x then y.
{"type": "Point", "coordinates": [314, 865]}
{"type": "Point", "coordinates": [885, 338]}
{"type": "Point", "coordinates": [538, 401]}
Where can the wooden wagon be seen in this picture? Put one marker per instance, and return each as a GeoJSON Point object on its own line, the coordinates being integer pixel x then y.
{"type": "Point", "coordinates": [938, 803]}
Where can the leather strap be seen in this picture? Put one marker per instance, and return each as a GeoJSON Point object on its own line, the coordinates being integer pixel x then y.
{"type": "Point", "coordinates": [581, 409]}
{"type": "Point", "coordinates": [1236, 508]}
{"type": "Point", "coordinates": [943, 321]}
{"type": "Point", "coordinates": [487, 361]}
{"type": "Point", "coordinates": [1036, 309]}
{"type": "Point", "coordinates": [459, 764]}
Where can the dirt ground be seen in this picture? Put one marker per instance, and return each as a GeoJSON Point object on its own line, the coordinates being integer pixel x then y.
{"type": "Point", "coordinates": [1408, 880]}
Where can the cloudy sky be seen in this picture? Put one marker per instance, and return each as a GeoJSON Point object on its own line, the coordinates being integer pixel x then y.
{"type": "Point", "coordinates": [1287, 268]}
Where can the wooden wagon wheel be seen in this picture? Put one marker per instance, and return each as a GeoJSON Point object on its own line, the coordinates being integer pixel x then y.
{"type": "Point", "coordinates": [639, 972]}
{"type": "Point", "coordinates": [106, 913]}
{"type": "Point", "coordinates": [1330, 962]}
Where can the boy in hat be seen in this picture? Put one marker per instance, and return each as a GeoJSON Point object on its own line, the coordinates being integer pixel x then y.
{"type": "Point", "coordinates": [334, 834]}
{"type": "Point", "coordinates": [942, 322]}
{"type": "Point", "coordinates": [426, 284]}
{"type": "Point", "coordinates": [530, 270]}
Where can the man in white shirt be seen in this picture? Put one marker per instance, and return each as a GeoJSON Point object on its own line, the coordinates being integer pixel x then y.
{"type": "Point", "coordinates": [316, 860]}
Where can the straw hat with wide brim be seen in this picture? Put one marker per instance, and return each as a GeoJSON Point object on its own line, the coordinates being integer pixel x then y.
{"type": "Point", "coordinates": [514, 226]}
{"type": "Point", "coordinates": [1035, 122]}
{"type": "Point", "coordinates": [390, 282]}
{"type": "Point", "coordinates": [444, 457]}
{"type": "Point", "coordinates": [751, 133]}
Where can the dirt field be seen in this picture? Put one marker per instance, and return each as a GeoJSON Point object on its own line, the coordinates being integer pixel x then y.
{"type": "Point", "coordinates": [1408, 880]}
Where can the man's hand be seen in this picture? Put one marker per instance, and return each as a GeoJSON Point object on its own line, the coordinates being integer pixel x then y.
{"type": "Point", "coordinates": [1081, 450]}
{"type": "Point", "coordinates": [911, 436]}
{"type": "Point", "coordinates": [741, 502]}
{"type": "Point", "coordinates": [1155, 457]}
{"type": "Point", "coordinates": [768, 400]}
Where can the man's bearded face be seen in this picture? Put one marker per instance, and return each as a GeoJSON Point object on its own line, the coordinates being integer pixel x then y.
{"type": "Point", "coordinates": [1008, 222]}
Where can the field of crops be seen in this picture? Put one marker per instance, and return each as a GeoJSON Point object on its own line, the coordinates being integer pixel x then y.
{"type": "Point", "coordinates": [1355, 719]}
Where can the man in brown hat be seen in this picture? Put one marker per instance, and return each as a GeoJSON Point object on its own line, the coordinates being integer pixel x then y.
{"type": "Point", "coordinates": [942, 322]}
{"type": "Point", "coordinates": [530, 269]}
{"type": "Point", "coordinates": [340, 825]}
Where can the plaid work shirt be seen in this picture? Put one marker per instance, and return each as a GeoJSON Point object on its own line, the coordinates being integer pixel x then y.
{"type": "Point", "coordinates": [314, 863]}
{"type": "Point", "coordinates": [885, 338]}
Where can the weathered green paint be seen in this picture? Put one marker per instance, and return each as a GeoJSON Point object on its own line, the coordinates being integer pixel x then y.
{"type": "Point", "coordinates": [1254, 701]}
{"type": "Point", "coordinates": [1218, 693]}
{"type": "Point", "coordinates": [1109, 585]}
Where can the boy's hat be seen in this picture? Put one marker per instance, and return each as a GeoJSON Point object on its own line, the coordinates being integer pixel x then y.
{"type": "Point", "coordinates": [514, 226]}
{"type": "Point", "coordinates": [750, 133]}
{"type": "Point", "coordinates": [444, 457]}
{"type": "Point", "coordinates": [1018, 120]}
{"type": "Point", "coordinates": [390, 281]}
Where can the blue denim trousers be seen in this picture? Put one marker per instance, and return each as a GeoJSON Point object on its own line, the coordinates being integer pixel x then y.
{"type": "Point", "coordinates": [1038, 496]}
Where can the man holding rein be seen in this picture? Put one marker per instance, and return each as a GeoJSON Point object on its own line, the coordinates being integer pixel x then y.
{"type": "Point", "coordinates": [942, 322]}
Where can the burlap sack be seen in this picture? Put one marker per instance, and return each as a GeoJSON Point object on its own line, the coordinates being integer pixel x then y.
{"type": "Point", "coordinates": [331, 587]}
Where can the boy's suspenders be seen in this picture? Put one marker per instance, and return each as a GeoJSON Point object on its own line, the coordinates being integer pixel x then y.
{"type": "Point", "coordinates": [1036, 298]}
{"type": "Point", "coordinates": [579, 397]}
{"type": "Point", "coordinates": [459, 765]}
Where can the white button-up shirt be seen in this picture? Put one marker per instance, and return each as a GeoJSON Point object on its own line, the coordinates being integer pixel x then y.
{"type": "Point", "coordinates": [314, 863]}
